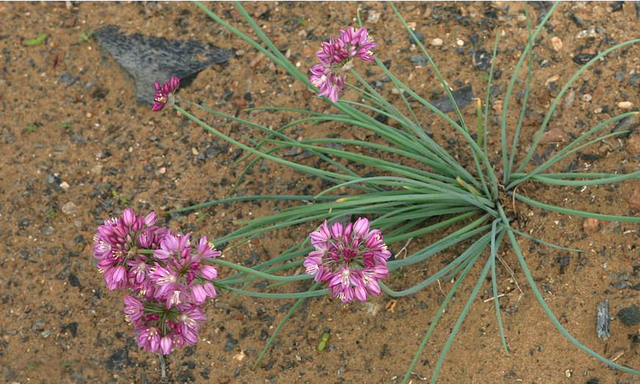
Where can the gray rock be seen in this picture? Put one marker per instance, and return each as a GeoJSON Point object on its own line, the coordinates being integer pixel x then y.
{"type": "Point", "coordinates": [149, 59]}
{"type": "Point", "coordinates": [630, 315]}
{"type": "Point", "coordinates": [603, 320]}
{"type": "Point", "coordinates": [463, 97]}
{"type": "Point", "coordinates": [628, 125]}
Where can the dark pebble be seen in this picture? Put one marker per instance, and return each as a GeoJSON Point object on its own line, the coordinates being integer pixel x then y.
{"type": "Point", "coordinates": [248, 96]}
{"type": "Point", "coordinates": [583, 58]}
{"type": "Point", "coordinates": [99, 93]}
{"type": "Point", "coordinates": [212, 152]}
{"type": "Point", "coordinates": [73, 280]}
{"type": "Point", "coordinates": [24, 224]}
{"type": "Point", "coordinates": [616, 6]}
{"type": "Point", "coordinates": [463, 97]}
{"type": "Point", "coordinates": [577, 20]}
{"type": "Point", "coordinates": [620, 75]}
{"type": "Point", "coordinates": [419, 35]}
{"type": "Point", "coordinates": [593, 380]}
{"type": "Point", "coordinates": [253, 258]}
{"type": "Point", "coordinates": [72, 328]}
{"type": "Point", "coordinates": [497, 74]}
{"type": "Point", "coordinates": [481, 60]}
{"type": "Point", "coordinates": [637, 4]}
{"type": "Point", "coordinates": [80, 239]}
{"type": "Point", "coordinates": [77, 378]}
{"type": "Point", "coordinates": [227, 95]}
{"type": "Point", "coordinates": [564, 263]}
{"type": "Point", "coordinates": [68, 79]}
{"type": "Point", "coordinates": [419, 60]}
{"type": "Point", "coordinates": [230, 344]}
{"type": "Point", "coordinates": [628, 125]}
{"type": "Point", "coordinates": [634, 80]}
{"type": "Point", "coordinates": [630, 315]}
{"type": "Point", "coordinates": [185, 377]}
{"type": "Point", "coordinates": [119, 359]}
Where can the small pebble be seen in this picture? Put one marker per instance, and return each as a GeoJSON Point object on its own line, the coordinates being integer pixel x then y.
{"type": "Point", "coordinates": [634, 200]}
{"type": "Point", "coordinates": [630, 315]}
{"type": "Point", "coordinates": [460, 43]}
{"type": "Point", "coordinates": [587, 97]}
{"type": "Point", "coordinates": [557, 43]}
{"type": "Point", "coordinates": [437, 42]}
{"type": "Point", "coordinates": [628, 125]}
{"type": "Point", "coordinates": [591, 225]}
{"type": "Point", "coordinates": [97, 169]}
{"type": "Point", "coordinates": [69, 208]}
{"type": "Point", "coordinates": [65, 186]}
{"type": "Point", "coordinates": [555, 135]}
{"type": "Point", "coordinates": [634, 144]}
{"type": "Point", "coordinates": [587, 33]}
{"type": "Point", "coordinates": [373, 17]}
{"type": "Point", "coordinates": [603, 320]}
{"type": "Point", "coordinates": [625, 105]}
{"type": "Point", "coordinates": [418, 35]}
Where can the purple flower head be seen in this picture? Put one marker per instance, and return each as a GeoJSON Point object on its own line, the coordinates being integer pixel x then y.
{"type": "Point", "coordinates": [116, 247]}
{"type": "Point", "coordinates": [350, 259]}
{"type": "Point", "coordinates": [184, 274]}
{"type": "Point", "coordinates": [336, 56]}
{"type": "Point", "coordinates": [164, 93]}
{"type": "Point", "coordinates": [357, 43]}
{"type": "Point", "coordinates": [329, 83]}
{"type": "Point", "coordinates": [160, 329]}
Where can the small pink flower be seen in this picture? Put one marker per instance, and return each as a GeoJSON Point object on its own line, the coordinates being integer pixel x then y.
{"type": "Point", "coordinates": [350, 259]}
{"type": "Point", "coordinates": [336, 56]}
{"type": "Point", "coordinates": [133, 309]}
{"type": "Point", "coordinates": [164, 93]}
{"type": "Point", "coordinates": [149, 339]}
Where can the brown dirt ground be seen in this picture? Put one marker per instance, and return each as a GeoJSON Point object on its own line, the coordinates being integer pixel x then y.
{"type": "Point", "coordinates": [61, 325]}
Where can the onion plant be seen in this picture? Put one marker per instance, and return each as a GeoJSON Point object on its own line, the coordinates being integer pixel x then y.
{"type": "Point", "coordinates": [415, 187]}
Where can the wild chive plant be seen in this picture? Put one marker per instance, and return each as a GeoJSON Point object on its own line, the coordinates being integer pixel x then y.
{"type": "Point", "coordinates": [417, 187]}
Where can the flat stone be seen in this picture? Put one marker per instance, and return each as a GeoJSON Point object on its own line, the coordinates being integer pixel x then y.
{"type": "Point", "coordinates": [463, 97]}
{"type": "Point", "coordinates": [630, 315]}
{"type": "Point", "coordinates": [69, 208]}
{"type": "Point", "coordinates": [149, 59]}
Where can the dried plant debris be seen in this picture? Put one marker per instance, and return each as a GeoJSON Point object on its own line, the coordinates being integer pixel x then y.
{"type": "Point", "coordinates": [148, 59]}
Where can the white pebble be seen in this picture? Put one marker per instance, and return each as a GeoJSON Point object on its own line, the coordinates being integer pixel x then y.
{"type": "Point", "coordinates": [625, 105]}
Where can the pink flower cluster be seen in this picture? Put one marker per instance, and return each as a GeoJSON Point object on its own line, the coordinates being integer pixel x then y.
{"type": "Point", "coordinates": [170, 279]}
{"type": "Point", "coordinates": [350, 259]}
{"type": "Point", "coordinates": [164, 93]}
{"type": "Point", "coordinates": [336, 56]}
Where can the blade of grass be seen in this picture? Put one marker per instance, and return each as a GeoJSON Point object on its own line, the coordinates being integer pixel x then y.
{"type": "Point", "coordinates": [495, 246]}
{"type": "Point", "coordinates": [564, 89]}
{"type": "Point", "coordinates": [436, 318]}
{"type": "Point", "coordinates": [547, 310]}
{"type": "Point", "coordinates": [527, 92]}
{"type": "Point", "coordinates": [275, 333]}
{"type": "Point", "coordinates": [567, 211]}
